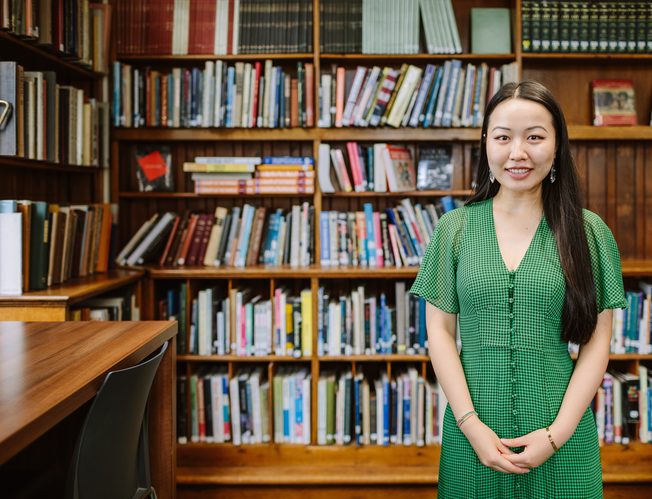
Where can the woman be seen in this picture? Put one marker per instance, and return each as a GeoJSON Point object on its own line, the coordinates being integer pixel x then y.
{"type": "Point", "coordinates": [525, 270]}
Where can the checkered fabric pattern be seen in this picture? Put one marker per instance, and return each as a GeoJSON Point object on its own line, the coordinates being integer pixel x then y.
{"type": "Point", "coordinates": [516, 365]}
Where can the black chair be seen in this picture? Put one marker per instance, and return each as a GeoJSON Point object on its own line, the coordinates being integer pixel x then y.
{"type": "Point", "coordinates": [111, 458]}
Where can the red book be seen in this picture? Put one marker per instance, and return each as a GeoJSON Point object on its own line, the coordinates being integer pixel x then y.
{"type": "Point", "coordinates": [171, 237]}
{"type": "Point", "coordinates": [613, 102]}
{"type": "Point", "coordinates": [310, 95]}
{"type": "Point", "coordinates": [256, 84]}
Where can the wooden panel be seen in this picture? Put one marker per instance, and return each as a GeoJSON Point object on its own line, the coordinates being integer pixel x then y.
{"type": "Point", "coordinates": [352, 492]}
{"type": "Point", "coordinates": [570, 79]}
{"type": "Point", "coordinates": [37, 312]}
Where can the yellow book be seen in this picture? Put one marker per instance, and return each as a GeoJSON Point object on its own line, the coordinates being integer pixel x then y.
{"type": "Point", "coordinates": [306, 322]}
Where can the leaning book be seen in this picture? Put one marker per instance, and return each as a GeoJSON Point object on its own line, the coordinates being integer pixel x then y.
{"type": "Point", "coordinates": [153, 167]}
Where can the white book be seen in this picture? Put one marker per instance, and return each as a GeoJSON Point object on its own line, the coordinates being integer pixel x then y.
{"type": "Point", "coordinates": [452, 26]}
{"type": "Point", "coordinates": [176, 112]}
{"type": "Point", "coordinates": [643, 401]}
{"type": "Point", "coordinates": [367, 93]}
{"type": "Point", "coordinates": [378, 386]}
{"type": "Point", "coordinates": [445, 82]}
{"type": "Point", "coordinates": [321, 411]}
{"type": "Point", "coordinates": [11, 276]}
{"type": "Point", "coordinates": [404, 95]}
{"type": "Point", "coordinates": [256, 409]}
{"type": "Point", "coordinates": [323, 168]}
{"type": "Point", "coordinates": [159, 227]}
{"type": "Point", "coordinates": [235, 411]}
{"type": "Point", "coordinates": [306, 409]}
{"type": "Point", "coordinates": [325, 101]}
{"type": "Point", "coordinates": [217, 93]}
{"type": "Point", "coordinates": [356, 86]}
{"type": "Point", "coordinates": [295, 235]}
{"type": "Point", "coordinates": [236, 26]}
{"type": "Point", "coordinates": [208, 94]}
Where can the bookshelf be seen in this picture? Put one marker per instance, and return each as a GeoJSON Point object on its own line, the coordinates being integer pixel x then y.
{"type": "Point", "coordinates": [53, 178]}
{"type": "Point", "coordinates": [612, 163]}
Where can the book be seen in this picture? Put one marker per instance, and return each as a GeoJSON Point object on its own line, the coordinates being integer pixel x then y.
{"type": "Point", "coordinates": [435, 167]}
{"type": "Point", "coordinates": [490, 30]}
{"type": "Point", "coordinates": [613, 102]}
{"type": "Point", "coordinates": [153, 168]}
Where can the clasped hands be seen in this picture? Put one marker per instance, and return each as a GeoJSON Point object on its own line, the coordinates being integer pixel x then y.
{"type": "Point", "coordinates": [495, 452]}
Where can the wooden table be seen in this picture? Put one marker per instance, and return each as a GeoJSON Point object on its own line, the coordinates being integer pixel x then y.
{"type": "Point", "coordinates": [50, 369]}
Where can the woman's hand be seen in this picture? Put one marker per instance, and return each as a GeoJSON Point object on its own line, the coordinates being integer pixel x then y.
{"type": "Point", "coordinates": [537, 449]}
{"type": "Point", "coordinates": [488, 447]}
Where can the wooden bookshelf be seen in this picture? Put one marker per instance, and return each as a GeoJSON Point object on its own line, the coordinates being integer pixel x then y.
{"type": "Point", "coordinates": [612, 163]}
{"type": "Point", "coordinates": [53, 303]}
{"type": "Point", "coordinates": [11, 162]}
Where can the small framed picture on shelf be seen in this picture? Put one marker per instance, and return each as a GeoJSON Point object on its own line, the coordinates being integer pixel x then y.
{"type": "Point", "coordinates": [435, 167]}
{"type": "Point", "coordinates": [614, 102]}
{"type": "Point", "coordinates": [153, 167]}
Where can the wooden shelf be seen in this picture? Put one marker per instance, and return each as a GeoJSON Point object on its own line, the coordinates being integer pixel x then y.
{"type": "Point", "coordinates": [589, 132]}
{"type": "Point", "coordinates": [623, 356]}
{"type": "Point", "coordinates": [296, 134]}
{"type": "Point", "coordinates": [192, 195]}
{"type": "Point", "coordinates": [192, 58]}
{"type": "Point", "coordinates": [637, 268]}
{"type": "Point", "coordinates": [75, 290]}
{"type": "Point", "coordinates": [33, 164]}
{"type": "Point", "coordinates": [374, 358]}
{"type": "Point", "coordinates": [284, 272]}
{"type": "Point", "coordinates": [428, 194]}
{"type": "Point", "coordinates": [358, 465]}
{"type": "Point", "coordinates": [44, 57]}
{"type": "Point", "coordinates": [417, 57]}
{"type": "Point", "coordinates": [238, 358]}
{"type": "Point", "coordinates": [575, 132]}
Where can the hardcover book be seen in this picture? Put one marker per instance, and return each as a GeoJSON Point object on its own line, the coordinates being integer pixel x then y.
{"type": "Point", "coordinates": [435, 168]}
{"type": "Point", "coordinates": [613, 102]}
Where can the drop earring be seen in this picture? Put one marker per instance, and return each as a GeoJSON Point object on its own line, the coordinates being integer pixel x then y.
{"type": "Point", "coordinates": [553, 175]}
{"type": "Point", "coordinates": [491, 177]}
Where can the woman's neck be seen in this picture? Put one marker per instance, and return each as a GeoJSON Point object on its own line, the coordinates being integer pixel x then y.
{"type": "Point", "coordinates": [519, 203]}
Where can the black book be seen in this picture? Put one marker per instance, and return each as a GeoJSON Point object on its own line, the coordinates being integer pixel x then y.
{"type": "Point", "coordinates": [208, 407]}
{"type": "Point", "coordinates": [182, 409]}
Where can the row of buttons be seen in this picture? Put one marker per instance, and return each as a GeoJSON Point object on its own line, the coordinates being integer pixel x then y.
{"type": "Point", "coordinates": [512, 364]}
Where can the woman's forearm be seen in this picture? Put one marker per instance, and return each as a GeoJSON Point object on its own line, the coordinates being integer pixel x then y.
{"type": "Point", "coordinates": [446, 361]}
{"type": "Point", "coordinates": [586, 379]}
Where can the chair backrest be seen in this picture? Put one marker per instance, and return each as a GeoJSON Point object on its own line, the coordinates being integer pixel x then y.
{"type": "Point", "coordinates": [106, 459]}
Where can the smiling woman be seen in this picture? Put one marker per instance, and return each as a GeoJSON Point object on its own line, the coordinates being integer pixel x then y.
{"type": "Point", "coordinates": [525, 270]}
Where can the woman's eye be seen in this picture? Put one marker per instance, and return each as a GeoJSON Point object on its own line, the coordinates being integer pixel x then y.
{"type": "Point", "coordinates": [502, 138]}
{"type": "Point", "coordinates": [535, 137]}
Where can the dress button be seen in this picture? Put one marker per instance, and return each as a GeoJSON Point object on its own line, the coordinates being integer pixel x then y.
{"type": "Point", "coordinates": [513, 380]}
{"type": "Point", "coordinates": [511, 284]}
{"type": "Point", "coordinates": [515, 427]}
{"type": "Point", "coordinates": [514, 412]}
{"type": "Point", "coordinates": [513, 364]}
{"type": "Point", "coordinates": [511, 316]}
{"type": "Point", "coordinates": [511, 300]}
{"type": "Point", "coordinates": [513, 395]}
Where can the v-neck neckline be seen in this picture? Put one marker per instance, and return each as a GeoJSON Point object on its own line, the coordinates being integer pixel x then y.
{"type": "Point", "coordinates": [497, 244]}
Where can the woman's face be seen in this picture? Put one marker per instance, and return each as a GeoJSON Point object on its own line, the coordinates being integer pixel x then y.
{"type": "Point", "coordinates": [520, 144]}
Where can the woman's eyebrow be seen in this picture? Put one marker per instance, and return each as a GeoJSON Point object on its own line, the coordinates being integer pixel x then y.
{"type": "Point", "coordinates": [527, 129]}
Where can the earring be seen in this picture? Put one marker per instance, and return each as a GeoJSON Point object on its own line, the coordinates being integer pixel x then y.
{"type": "Point", "coordinates": [491, 177]}
{"type": "Point", "coordinates": [553, 175]}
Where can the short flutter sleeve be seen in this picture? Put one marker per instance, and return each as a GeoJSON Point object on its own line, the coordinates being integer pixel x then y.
{"type": "Point", "coordinates": [436, 280]}
{"type": "Point", "coordinates": [605, 263]}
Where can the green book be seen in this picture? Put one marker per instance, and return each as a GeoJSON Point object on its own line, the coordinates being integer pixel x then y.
{"type": "Point", "coordinates": [490, 31]}
{"type": "Point", "coordinates": [39, 246]}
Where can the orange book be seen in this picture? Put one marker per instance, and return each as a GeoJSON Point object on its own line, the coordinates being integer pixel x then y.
{"type": "Point", "coordinates": [102, 263]}
{"type": "Point", "coordinates": [294, 103]}
{"type": "Point", "coordinates": [185, 244]}
{"type": "Point", "coordinates": [339, 97]}
{"type": "Point", "coordinates": [168, 244]}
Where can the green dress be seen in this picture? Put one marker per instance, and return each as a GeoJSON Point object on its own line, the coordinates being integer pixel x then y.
{"type": "Point", "coordinates": [516, 365]}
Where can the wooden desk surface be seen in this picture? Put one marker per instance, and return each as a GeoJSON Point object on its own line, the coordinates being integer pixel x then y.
{"type": "Point", "coordinates": [49, 369]}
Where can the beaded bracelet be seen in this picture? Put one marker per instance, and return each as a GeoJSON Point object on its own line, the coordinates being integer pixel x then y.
{"type": "Point", "coordinates": [465, 417]}
{"type": "Point", "coordinates": [552, 442]}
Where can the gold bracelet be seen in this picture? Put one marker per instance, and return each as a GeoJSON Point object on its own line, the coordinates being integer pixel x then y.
{"type": "Point", "coordinates": [552, 442]}
{"type": "Point", "coordinates": [465, 417]}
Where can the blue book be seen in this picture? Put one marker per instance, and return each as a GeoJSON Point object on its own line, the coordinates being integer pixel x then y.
{"type": "Point", "coordinates": [370, 241]}
{"type": "Point", "coordinates": [432, 102]}
{"type": "Point", "coordinates": [421, 327]}
{"type": "Point", "coordinates": [325, 257]}
{"type": "Point", "coordinates": [170, 100]}
{"type": "Point", "coordinates": [358, 419]}
{"type": "Point", "coordinates": [288, 160]}
{"type": "Point", "coordinates": [298, 407]}
{"type": "Point", "coordinates": [279, 96]}
{"type": "Point", "coordinates": [386, 410]}
{"type": "Point", "coordinates": [225, 407]}
{"type": "Point", "coordinates": [243, 241]}
{"type": "Point", "coordinates": [417, 115]}
{"type": "Point", "coordinates": [230, 96]}
{"type": "Point", "coordinates": [448, 203]}
{"type": "Point", "coordinates": [118, 120]}
{"type": "Point", "coordinates": [8, 206]}
{"type": "Point", "coordinates": [407, 432]}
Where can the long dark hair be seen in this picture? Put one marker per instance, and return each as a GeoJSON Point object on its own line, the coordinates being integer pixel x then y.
{"type": "Point", "coordinates": [562, 209]}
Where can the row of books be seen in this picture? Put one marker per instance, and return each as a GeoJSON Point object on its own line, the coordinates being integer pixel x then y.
{"type": "Point", "coordinates": [108, 308]}
{"type": "Point", "coordinates": [236, 238]}
{"type": "Point", "coordinates": [631, 331]}
{"type": "Point", "coordinates": [51, 122]}
{"type": "Point", "coordinates": [239, 95]}
{"type": "Point", "coordinates": [397, 237]}
{"type": "Point", "coordinates": [361, 323]}
{"type": "Point", "coordinates": [382, 167]}
{"type": "Point", "coordinates": [623, 407]}
{"type": "Point", "coordinates": [586, 26]}
{"type": "Point", "coordinates": [77, 28]}
{"type": "Point", "coordinates": [252, 175]}
{"type": "Point", "coordinates": [352, 408]}
{"type": "Point", "coordinates": [205, 27]}
{"type": "Point", "coordinates": [245, 324]}
{"type": "Point", "coordinates": [212, 408]}
{"type": "Point", "coordinates": [44, 244]}
{"type": "Point", "coordinates": [446, 95]}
